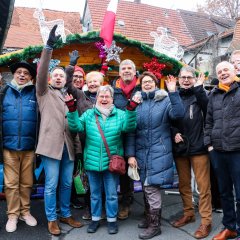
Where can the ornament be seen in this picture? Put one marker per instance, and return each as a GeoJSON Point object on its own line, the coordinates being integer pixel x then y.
{"type": "Point", "coordinates": [113, 52]}
{"type": "Point", "coordinates": [100, 47]}
{"type": "Point", "coordinates": [53, 63]}
{"type": "Point", "coordinates": [166, 44]}
{"type": "Point", "coordinates": [46, 26]}
{"type": "Point", "coordinates": [155, 67]}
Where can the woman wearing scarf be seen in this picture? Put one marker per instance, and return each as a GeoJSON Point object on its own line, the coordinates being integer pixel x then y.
{"type": "Point", "coordinates": [150, 149]}
{"type": "Point", "coordinates": [113, 122]}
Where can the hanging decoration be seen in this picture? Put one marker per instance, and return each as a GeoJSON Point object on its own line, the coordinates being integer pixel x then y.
{"type": "Point", "coordinates": [53, 63]}
{"type": "Point", "coordinates": [166, 44]}
{"type": "Point", "coordinates": [46, 26]}
{"type": "Point", "coordinates": [155, 67]}
{"type": "Point", "coordinates": [100, 47]}
{"type": "Point", "coordinates": [113, 52]}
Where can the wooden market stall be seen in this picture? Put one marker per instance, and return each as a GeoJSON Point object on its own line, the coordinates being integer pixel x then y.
{"type": "Point", "coordinates": [138, 52]}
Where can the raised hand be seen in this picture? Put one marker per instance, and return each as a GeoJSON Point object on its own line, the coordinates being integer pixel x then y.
{"type": "Point", "coordinates": [200, 80]}
{"type": "Point", "coordinates": [52, 38]}
{"type": "Point", "coordinates": [71, 103]}
{"type": "Point", "coordinates": [133, 103]}
{"type": "Point", "coordinates": [171, 83]}
{"type": "Point", "coordinates": [74, 56]}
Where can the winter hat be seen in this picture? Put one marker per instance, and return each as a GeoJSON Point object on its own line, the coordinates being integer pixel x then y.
{"type": "Point", "coordinates": [77, 68]}
{"type": "Point", "coordinates": [23, 64]}
{"type": "Point", "coordinates": [133, 173]}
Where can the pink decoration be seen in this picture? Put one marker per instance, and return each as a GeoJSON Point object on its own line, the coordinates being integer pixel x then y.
{"type": "Point", "coordinates": [100, 47]}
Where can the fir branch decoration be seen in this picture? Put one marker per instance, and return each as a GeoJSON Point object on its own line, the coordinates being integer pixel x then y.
{"type": "Point", "coordinates": [173, 66]}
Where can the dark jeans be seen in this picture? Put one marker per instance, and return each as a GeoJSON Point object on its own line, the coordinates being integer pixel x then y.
{"type": "Point", "coordinates": [227, 169]}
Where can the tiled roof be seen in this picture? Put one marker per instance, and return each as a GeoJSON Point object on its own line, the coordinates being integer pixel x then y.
{"type": "Point", "coordinates": [140, 20]}
{"type": "Point", "coordinates": [202, 25]}
{"type": "Point", "coordinates": [24, 29]}
{"type": "Point", "coordinates": [235, 44]}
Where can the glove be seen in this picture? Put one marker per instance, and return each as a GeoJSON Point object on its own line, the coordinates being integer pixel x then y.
{"type": "Point", "coordinates": [131, 106]}
{"type": "Point", "coordinates": [52, 38]}
{"type": "Point", "coordinates": [74, 56]}
{"type": "Point", "coordinates": [72, 105]}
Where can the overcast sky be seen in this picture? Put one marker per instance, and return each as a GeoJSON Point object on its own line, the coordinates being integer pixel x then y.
{"type": "Point", "coordinates": [76, 5]}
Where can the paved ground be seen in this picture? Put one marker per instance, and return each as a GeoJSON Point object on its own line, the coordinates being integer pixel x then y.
{"type": "Point", "coordinates": [172, 207]}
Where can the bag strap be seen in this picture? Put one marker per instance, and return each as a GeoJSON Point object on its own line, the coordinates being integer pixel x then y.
{"type": "Point", "coordinates": [103, 137]}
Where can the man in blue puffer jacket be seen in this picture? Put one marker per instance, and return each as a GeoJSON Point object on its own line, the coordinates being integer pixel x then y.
{"type": "Point", "coordinates": [18, 138]}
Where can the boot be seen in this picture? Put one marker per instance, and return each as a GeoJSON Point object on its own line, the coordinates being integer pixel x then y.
{"type": "Point", "coordinates": [154, 227]}
{"type": "Point", "coordinates": [145, 222]}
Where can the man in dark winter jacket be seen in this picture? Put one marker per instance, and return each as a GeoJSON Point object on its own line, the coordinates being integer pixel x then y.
{"type": "Point", "coordinates": [222, 134]}
{"type": "Point", "coordinates": [124, 89]}
{"type": "Point", "coordinates": [18, 138]}
{"type": "Point", "coordinates": [190, 129]}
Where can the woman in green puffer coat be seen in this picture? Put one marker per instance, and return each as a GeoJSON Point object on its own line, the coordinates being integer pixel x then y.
{"type": "Point", "coordinates": [113, 122]}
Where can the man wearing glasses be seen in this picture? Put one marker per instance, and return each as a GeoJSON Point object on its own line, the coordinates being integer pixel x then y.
{"type": "Point", "coordinates": [190, 129]}
{"type": "Point", "coordinates": [78, 77]}
{"type": "Point", "coordinates": [18, 137]}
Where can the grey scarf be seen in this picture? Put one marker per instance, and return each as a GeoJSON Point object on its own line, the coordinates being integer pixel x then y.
{"type": "Point", "coordinates": [105, 111]}
{"type": "Point", "coordinates": [20, 87]}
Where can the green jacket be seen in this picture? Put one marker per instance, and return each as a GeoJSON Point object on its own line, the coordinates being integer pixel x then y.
{"type": "Point", "coordinates": [95, 154]}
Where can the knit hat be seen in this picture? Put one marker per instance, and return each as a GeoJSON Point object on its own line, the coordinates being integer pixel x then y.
{"type": "Point", "coordinates": [23, 64]}
{"type": "Point", "coordinates": [77, 68]}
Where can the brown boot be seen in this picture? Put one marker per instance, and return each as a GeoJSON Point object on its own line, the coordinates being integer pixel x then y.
{"type": "Point", "coordinates": [53, 228]}
{"type": "Point", "coordinates": [145, 222]}
{"type": "Point", "coordinates": [71, 222]}
{"type": "Point", "coordinates": [154, 227]}
{"type": "Point", "coordinates": [183, 221]}
{"type": "Point", "coordinates": [123, 212]}
{"type": "Point", "coordinates": [203, 231]}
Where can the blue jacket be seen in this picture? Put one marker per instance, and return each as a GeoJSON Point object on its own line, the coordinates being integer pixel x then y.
{"type": "Point", "coordinates": [19, 118]}
{"type": "Point", "coordinates": [152, 144]}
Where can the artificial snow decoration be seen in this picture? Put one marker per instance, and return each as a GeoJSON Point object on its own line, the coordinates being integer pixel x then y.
{"type": "Point", "coordinates": [53, 63]}
{"type": "Point", "coordinates": [46, 26]}
{"type": "Point", "coordinates": [166, 44]}
{"type": "Point", "coordinates": [113, 52]}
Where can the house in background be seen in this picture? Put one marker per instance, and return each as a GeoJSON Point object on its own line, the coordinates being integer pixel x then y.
{"type": "Point", "coordinates": [196, 33]}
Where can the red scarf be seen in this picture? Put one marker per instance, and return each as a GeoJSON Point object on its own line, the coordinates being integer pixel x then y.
{"type": "Point", "coordinates": [128, 88]}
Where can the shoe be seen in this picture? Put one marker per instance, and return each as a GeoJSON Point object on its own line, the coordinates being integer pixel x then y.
{"type": "Point", "coordinates": [87, 215]}
{"type": "Point", "coordinates": [143, 224]}
{"type": "Point", "coordinates": [76, 203]}
{"type": "Point", "coordinates": [203, 231]}
{"type": "Point", "coordinates": [71, 222]}
{"type": "Point", "coordinates": [112, 227]}
{"type": "Point", "coordinates": [93, 226]}
{"type": "Point", "coordinates": [28, 219]}
{"type": "Point", "coordinates": [218, 210]}
{"type": "Point", "coordinates": [11, 225]}
{"type": "Point", "coordinates": [53, 228]}
{"type": "Point", "coordinates": [123, 212]}
{"type": "Point", "coordinates": [225, 234]}
{"type": "Point", "coordinates": [183, 221]}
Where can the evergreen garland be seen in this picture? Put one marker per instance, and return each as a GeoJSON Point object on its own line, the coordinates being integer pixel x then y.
{"type": "Point", "coordinates": [32, 51]}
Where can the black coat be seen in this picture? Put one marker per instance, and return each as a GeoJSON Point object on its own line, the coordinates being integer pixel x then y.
{"type": "Point", "coordinates": [195, 102]}
{"type": "Point", "coordinates": [222, 129]}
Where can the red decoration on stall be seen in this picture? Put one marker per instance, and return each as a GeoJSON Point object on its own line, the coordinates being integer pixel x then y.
{"type": "Point", "coordinates": [155, 67]}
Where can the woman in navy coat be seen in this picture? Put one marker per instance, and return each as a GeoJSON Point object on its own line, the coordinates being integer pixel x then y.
{"type": "Point", "coordinates": [150, 148]}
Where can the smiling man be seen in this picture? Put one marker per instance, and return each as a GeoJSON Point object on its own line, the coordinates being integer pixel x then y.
{"type": "Point", "coordinates": [124, 88]}
{"type": "Point", "coordinates": [222, 136]}
{"type": "Point", "coordinates": [18, 132]}
{"type": "Point", "coordinates": [190, 128]}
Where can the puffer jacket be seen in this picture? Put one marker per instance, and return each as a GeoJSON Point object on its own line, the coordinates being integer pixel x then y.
{"type": "Point", "coordinates": [95, 155]}
{"type": "Point", "coordinates": [222, 130]}
{"type": "Point", "coordinates": [151, 144]}
{"type": "Point", "coordinates": [19, 118]}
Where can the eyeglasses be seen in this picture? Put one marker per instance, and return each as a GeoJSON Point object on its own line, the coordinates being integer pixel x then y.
{"type": "Point", "coordinates": [106, 97]}
{"type": "Point", "coordinates": [147, 81]}
{"type": "Point", "coordinates": [26, 73]}
{"type": "Point", "coordinates": [78, 76]}
{"type": "Point", "coordinates": [186, 77]}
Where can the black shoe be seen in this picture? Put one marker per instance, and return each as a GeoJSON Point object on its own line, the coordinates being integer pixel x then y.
{"type": "Point", "coordinates": [112, 227]}
{"type": "Point", "coordinates": [93, 226]}
{"type": "Point", "coordinates": [76, 203]}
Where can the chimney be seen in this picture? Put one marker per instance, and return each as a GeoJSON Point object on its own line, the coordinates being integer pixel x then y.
{"type": "Point", "coordinates": [137, 1]}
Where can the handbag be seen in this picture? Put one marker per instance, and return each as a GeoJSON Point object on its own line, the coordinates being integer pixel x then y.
{"type": "Point", "coordinates": [80, 180]}
{"type": "Point", "coordinates": [117, 163]}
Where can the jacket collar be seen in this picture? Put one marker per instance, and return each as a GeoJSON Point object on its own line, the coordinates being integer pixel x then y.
{"type": "Point", "coordinates": [157, 95]}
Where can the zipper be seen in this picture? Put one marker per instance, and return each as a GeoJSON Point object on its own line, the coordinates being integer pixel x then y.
{"type": "Point", "coordinates": [191, 112]}
{"type": "Point", "coordinates": [20, 122]}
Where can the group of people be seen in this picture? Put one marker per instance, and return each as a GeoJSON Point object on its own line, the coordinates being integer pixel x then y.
{"type": "Point", "coordinates": [60, 120]}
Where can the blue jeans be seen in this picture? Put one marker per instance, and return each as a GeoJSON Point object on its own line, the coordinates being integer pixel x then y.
{"type": "Point", "coordinates": [227, 169]}
{"type": "Point", "coordinates": [57, 172]}
{"type": "Point", "coordinates": [109, 181]}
